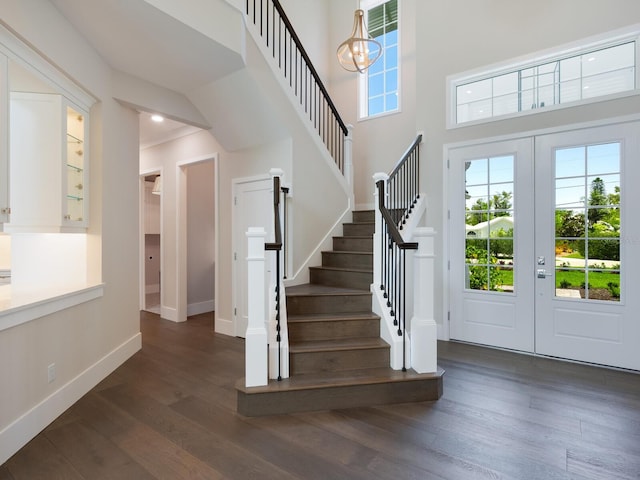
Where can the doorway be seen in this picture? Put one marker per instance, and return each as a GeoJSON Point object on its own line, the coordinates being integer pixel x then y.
{"type": "Point", "coordinates": [542, 258]}
{"type": "Point", "coordinates": [151, 271]}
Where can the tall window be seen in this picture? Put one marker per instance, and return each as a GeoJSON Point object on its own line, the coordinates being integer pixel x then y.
{"type": "Point", "coordinates": [596, 71]}
{"type": "Point", "coordinates": [379, 85]}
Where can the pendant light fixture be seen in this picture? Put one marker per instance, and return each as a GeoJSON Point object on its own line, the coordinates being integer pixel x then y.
{"type": "Point", "coordinates": [359, 51]}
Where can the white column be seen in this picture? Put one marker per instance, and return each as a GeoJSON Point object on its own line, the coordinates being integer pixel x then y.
{"type": "Point", "coordinates": [256, 357]}
{"type": "Point", "coordinates": [348, 157]}
{"type": "Point", "coordinates": [424, 331]}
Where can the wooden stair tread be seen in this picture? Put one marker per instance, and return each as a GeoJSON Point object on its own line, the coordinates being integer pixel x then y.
{"type": "Point", "coordinates": [330, 317]}
{"type": "Point", "coordinates": [314, 289]}
{"type": "Point", "coordinates": [348, 252]}
{"type": "Point", "coordinates": [367, 376]}
{"type": "Point", "coordinates": [339, 344]}
{"type": "Point", "coordinates": [343, 269]}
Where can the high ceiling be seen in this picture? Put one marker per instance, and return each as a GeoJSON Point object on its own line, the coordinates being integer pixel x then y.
{"type": "Point", "coordinates": [134, 37]}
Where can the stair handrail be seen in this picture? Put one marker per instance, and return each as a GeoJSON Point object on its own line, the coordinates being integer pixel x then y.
{"type": "Point", "coordinates": [303, 78]}
{"type": "Point", "coordinates": [404, 184]}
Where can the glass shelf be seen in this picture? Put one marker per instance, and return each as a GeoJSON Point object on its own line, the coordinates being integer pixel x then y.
{"type": "Point", "coordinates": [76, 168]}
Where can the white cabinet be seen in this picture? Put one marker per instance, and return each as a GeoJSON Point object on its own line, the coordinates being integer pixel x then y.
{"type": "Point", "coordinates": [47, 163]}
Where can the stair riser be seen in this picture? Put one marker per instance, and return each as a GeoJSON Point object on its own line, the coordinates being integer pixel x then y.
{"type": "Point", "coordinates": [347, 244]}
{"type": "Point", "coordinates": [302, 304]}
{"type": "Point", "coordinates": [364, 216]}
{"type": "Point", "coordinates": [358, 229]}
{"type": "Point", "coordinates": [338, 397]}
{"type": "Point", "coordinates": [332, 361]}
{"type": "Point", "coordinates": [333, 330]}
{"type": "Point", "coordinates": [333, 278]}
{"type": "Point", "coordinates": [347, 260]}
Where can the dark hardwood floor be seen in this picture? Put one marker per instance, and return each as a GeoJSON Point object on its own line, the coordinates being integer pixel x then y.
{"type": "Point", "coordinates": [169, 412]}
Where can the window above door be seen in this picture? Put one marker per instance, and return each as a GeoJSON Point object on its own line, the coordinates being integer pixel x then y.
{"type": "Point", "coordinates": [591, 71]}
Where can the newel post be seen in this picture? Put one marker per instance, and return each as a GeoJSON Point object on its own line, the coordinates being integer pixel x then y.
{"type": "Point", "coordinates": [256, 356]}
{"type": "Point", "coordinates": [424, 331]}
{"type": "Point", "coordinates": [348, 156]}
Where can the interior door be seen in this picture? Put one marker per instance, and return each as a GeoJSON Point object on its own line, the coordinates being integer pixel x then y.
{"type": "Point", "coordinates": [491, 233]}
{"type": "Point", "coordinates": [587, 255]}
{"type": "Point", "coordinates": [253, 207]}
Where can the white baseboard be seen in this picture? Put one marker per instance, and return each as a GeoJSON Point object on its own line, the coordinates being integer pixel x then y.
{"type": "Point", "coordinates": [201, 307]}
{"type": "Point", "coordinates": [224, 326]}
{"type": "Point", "coordinates": [22, 430]}
{"type": "Point", "coordinates": [169, 313]}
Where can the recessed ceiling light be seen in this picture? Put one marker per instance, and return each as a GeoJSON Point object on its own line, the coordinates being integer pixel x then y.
{"type": "Point", "coordinates": [157, 118]}
{"type": "Point", "coordinates": [591, 59]}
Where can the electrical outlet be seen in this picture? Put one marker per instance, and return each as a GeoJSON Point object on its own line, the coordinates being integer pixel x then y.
{"type": "Point", "coordinates": [51, 372]}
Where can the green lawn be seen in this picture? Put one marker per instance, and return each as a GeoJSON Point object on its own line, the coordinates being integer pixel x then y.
{"type": "Point", "coordinates": [574, 277]}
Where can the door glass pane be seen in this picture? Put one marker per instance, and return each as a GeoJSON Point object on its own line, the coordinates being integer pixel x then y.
{"type": "Point", "coordinates": [587, 222]}
{"type": "Point", "coordinates": [489, 224]}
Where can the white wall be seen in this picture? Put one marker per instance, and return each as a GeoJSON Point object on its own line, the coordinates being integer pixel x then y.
{"type": "Point", "coordinates": [89, 340]}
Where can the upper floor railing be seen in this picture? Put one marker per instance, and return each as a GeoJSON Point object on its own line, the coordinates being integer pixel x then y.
{"type": "Point", "coordinates": [293, 61]}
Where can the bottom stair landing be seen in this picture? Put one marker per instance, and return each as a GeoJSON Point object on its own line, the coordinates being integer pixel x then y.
{"type": "Point", "coordinates": [336, 390]}
{"type": "Point", "coordinates": [336, 356]}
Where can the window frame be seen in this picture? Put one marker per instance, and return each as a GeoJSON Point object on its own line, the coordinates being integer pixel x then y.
{"type": "Point", "coordinates": [363, 84]}
{"type": "Point", "coordinates": [538, 59]}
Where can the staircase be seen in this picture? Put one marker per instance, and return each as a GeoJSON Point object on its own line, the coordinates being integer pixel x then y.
{"type": "Point", "coordinates": [337, 358]}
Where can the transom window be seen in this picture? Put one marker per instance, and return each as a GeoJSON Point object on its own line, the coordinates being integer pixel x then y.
{"type": "Point", "coordinates": [379, 85]}
{"type": "Point", "coordinates": [598, 71]}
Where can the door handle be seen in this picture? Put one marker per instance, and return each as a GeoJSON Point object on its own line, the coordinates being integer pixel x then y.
{"type": "Point", "coordinates": [542, 273]}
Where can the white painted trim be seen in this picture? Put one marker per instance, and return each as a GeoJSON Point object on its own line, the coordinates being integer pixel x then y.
{"type": "Point", "coordinates": [224, 326]}
{"type": "Point", "coordinates": [201, 307]}
{"type": "Point", "coordinates": [21, 309]}
{"type": "Point", "coordinates": [19, 432]}
{"type": "Point", "coordinates": [169, 313]}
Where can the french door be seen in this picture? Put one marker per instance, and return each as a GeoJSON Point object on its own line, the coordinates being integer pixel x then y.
{"type": "Point", "coordinates": [543, 257]}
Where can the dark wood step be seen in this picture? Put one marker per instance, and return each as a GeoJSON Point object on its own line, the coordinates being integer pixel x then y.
{"type": "Point", "coordinates": [319, 299]}
{"type": "Point", "coordinates": [362, 229]}
{"type": "Point", "coordinates": [332, 326]}
{"type": "Point", "coordinates": [338, 390]}
{"type": "Point", "coordinates": [337, 355]}
{"type": "Point", "coordinates": [341, 277]}
{"type": "Point", "coordinates": [363, 216]}
{"type": "Point", "coordinates": [353, 244]}
{"type": "Point", "coordinates": [358, 260]}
